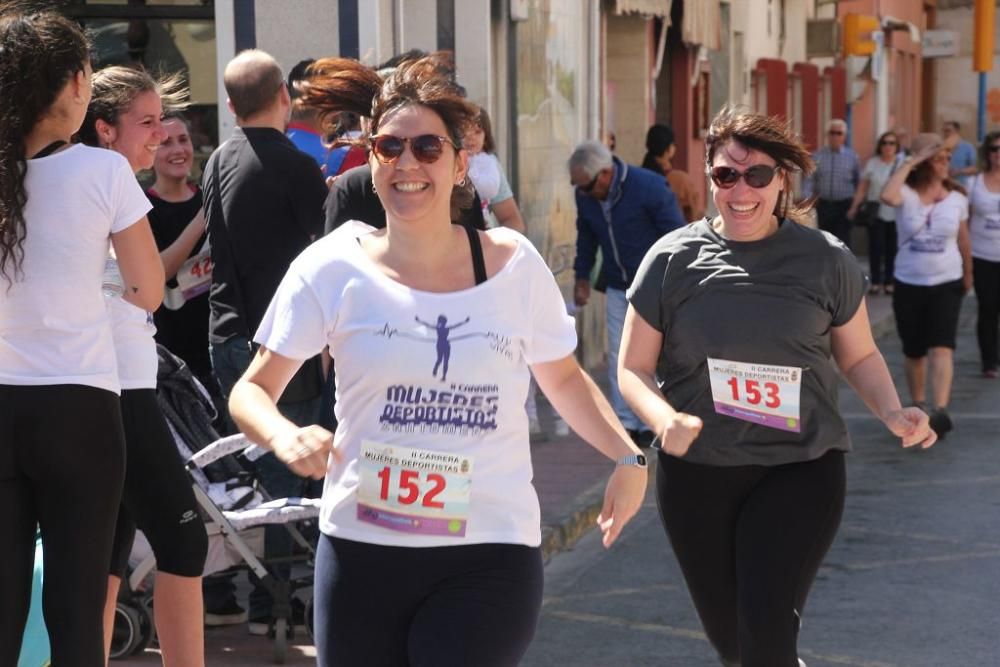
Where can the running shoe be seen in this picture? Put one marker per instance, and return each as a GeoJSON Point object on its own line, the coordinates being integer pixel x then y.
{"type": "Point", "coordinates": [940, 422]}
{"type": "Point", "coordinates": [231, 613]}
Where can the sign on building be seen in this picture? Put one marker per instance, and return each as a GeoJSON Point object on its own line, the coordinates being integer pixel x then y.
{"type": "Point", "coordinates": [940, 43]}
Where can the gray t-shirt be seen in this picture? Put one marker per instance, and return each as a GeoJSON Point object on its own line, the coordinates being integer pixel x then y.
{"type": "Point", "coordinates": [770, 302]}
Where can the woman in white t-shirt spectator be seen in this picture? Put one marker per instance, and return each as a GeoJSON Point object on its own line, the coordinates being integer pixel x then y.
{"type": "Point", "coordinates": [984, 228]}
{"type": "Point", "coordinates": [881, 219]}
{"type": "Point", "coordinates": [488, 177]}
{"type": "Point", "coordinates": [124, 116]}
{"type": "Point", "coordinates": [62, 454]}
{"type": "Point", "coordinates": [429, 552]}
{"type": "Point", "coordinates": [933, 270]}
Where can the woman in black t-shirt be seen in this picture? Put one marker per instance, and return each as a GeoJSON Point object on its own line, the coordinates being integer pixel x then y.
{"type": "Point", "coordinates": [179, 227]}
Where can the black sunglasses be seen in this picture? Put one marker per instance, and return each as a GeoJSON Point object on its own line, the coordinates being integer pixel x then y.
{"type": "Point", "coordinates": [887, 142]}
{"type": "Point", "coordinates": [835, 132]}
{"type": "Point", "coordinates": [994, 149]}
{"type": "Point", "coordinates": [426, 148]}
{"type": "Point", "coordinates": [757, 176]}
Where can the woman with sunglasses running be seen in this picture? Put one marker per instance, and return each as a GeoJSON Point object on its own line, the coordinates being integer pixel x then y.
{"type": "Point", "coordinates": [984, 229]}
{"type": "Point", "coordinates": [933, 270]}
{"type": "Point", "coordinates": [430, 547]}
{"type": "Point", "coordinates": [726, 355]}
{"type": "Point", "coordinates": [62, 452]}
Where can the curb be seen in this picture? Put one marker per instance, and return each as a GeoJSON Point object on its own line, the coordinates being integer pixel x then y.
{"type": "Point", "coordinates": [563, 536]}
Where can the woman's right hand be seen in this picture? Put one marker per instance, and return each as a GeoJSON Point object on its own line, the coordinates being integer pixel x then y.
{"type": "Point", "coordinates": [678, 432]}
{"type": "Point", "coordinates": [851, 212]}
{"type": "Point", "coordinates": [305, 450]}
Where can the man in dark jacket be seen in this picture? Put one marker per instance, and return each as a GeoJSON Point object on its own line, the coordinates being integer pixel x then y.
{"type": "Point", "coordinates": [622, 210]}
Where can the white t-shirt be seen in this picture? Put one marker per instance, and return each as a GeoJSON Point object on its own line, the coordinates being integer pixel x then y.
{"type": "Point", "coordinates": [928, 238]}
{"type": "Point", "coordinates": [392, 346]}
{"type": "Point", "coordinates": [984, 225]}
{"type": "Point", "coordinates": [878, 173]}
{"type": "Point", "coordinates": [54, 326]}
{"type": "Point", "coordinates": [135, 349]}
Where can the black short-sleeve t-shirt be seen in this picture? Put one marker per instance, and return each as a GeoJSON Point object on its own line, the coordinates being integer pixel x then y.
{"type": "Point", "coordinates": [771, 302]}
{"type": "Point", "coordinates": [183, 331]}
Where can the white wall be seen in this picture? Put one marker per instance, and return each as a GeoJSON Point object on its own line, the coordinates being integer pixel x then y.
{"type": "Point", "coordinates": [957, 85]}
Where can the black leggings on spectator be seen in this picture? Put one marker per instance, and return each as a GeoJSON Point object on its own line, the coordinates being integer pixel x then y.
{"type": "Point", "coordinates": [749, 540]}
{"type": "Point", "coordinates": [382, 606]}
{"type": "Point", "coordinates": [986, 277]}
{"type": "Point", "coordinates": [62, 461]}
{"type": "Point", "coordinates": [157, 494]}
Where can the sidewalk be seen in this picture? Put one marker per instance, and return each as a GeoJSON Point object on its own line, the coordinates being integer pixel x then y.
{"type": "Point", "coordinates": [569, 477]}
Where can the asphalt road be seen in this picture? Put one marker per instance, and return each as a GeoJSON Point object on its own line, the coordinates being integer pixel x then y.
{"type": "Point", "coordinates": [913, 579]}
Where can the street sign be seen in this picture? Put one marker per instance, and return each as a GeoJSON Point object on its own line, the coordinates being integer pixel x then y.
{"type": "Point", "coordinates": [940, 43]}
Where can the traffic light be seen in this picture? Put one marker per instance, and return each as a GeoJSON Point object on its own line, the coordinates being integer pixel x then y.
{"type": "Point", "coordinates": [858, 29]}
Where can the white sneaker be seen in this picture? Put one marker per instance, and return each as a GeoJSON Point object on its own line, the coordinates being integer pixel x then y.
{"type": "Point", "coordinates": [802, 663]}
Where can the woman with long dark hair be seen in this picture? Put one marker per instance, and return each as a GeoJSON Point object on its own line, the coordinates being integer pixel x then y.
{"type": "Point", "coordinates": [933, 271]}
{"type": "Point", "coordinates": [429, 552]}
{"type": "Point", "coordinates": [62, 454]}
{"type": "Point", "coordinates": [124, 116]}
{"type": "Point", "coordinates": [738, 331]}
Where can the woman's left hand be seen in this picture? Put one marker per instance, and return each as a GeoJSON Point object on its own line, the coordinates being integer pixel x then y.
{"type": "Point", "coordinates": [912, 425]}
{"type": "Point", "coordinates": [622, 499]}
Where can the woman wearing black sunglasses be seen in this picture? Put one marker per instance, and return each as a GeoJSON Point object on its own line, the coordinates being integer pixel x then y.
{"type": "Point", "coordinates": [879, 218]}
{"type": "Point", "coordinates": [726, 355]}
{"type": "Point", "coordinates": [430, 547]}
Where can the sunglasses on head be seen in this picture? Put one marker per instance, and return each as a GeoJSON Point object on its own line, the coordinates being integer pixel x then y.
{"type": "Point", "coordinates": [757, 176]}
{"type": "Point", "coordinates": [426, 148]}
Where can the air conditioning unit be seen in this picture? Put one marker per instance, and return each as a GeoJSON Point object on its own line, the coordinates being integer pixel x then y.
{"type": "Point", "coordinates": [822, 38]}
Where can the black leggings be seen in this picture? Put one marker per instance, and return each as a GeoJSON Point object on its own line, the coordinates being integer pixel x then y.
{"type": "Point", "coordinates": [431, 606]}
{"type": "Point", "coordinates": [749, 540]}
{"type": "Point", "coordinates": [62, 460]}
{"type": "Point", "coordinates": [986, 276]}
{"type": "Point", "coordinates": [158, 495]}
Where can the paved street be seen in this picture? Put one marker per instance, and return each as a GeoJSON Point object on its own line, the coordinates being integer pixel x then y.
{"type": "Point", "coordinates": [913, 579]}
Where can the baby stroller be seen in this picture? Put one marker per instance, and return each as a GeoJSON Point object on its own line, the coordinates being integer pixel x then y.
{"type": "Point", "coordinates": [235, 510]}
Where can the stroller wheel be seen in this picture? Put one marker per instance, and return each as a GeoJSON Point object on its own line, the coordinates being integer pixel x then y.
{"type": "Point", "coordinates": [147, 630]}
{"type": "Point", "coordinates": [147, 607]}
{"type": "Point", "coordinates": [126, 634]}
{"type": "Point", "coordinates": [308, 618]}
{"type": "Point", "coordinates": [280, 640]}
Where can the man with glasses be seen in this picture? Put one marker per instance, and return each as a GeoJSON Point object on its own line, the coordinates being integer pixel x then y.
{"type": "Point", "coordinates": [834, 182]}
{"type": "Point", "coordinates": [837, 175]}
{"type": "Point", "coordinates": [623, 210]}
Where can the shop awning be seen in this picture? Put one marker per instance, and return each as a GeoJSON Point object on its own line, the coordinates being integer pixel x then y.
{"type": "Point", "coordinates": [659, 8]}
{"type": "Point", "coordinates": [702, 23]}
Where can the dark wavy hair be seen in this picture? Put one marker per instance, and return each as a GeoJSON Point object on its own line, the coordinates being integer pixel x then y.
{"type": "Point", "coordinates": [39, 53]}
{"type": "Point", "coordinates": [772, 136]}
{"type": "Point", "coordinates": [984, 150]}
{"type": "Point", "coordinates": [115, 89]}
{"type": "Point", "coordinates": [337, 85]}
{"type": "Point", "coordinates": [659, 139]}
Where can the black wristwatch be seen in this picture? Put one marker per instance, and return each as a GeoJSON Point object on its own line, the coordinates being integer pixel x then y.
{"type": "Point", "coordinates": [637, 460]}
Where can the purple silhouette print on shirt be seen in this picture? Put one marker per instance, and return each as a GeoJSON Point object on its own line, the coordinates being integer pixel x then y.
{"type": "Point", "coordinates": [443, 344]}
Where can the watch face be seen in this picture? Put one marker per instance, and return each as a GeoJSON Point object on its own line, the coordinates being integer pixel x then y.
{"type": "Point", "coordinates": [640, 459]}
